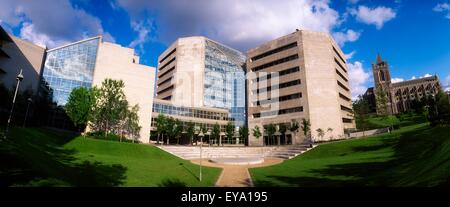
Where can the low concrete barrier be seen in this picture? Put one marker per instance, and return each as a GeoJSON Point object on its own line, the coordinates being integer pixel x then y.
{"type": "Point", "coordinates": [369, 132]}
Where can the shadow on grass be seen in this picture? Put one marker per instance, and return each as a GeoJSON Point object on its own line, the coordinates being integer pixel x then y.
{"type": "Point", "coordinates": [36, 157]}
{"type": "Point", "coordinates": [174, 182]}
{"type": "Point", "coordinates": [421, 157]}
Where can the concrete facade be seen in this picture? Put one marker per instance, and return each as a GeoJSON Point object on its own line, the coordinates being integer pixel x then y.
{"type": "Point", "coordinates": [17, 54]}
{"type": "Point", "coordinates": [120, 63]}
{"type": "Point", "coordinates": [308, 79]}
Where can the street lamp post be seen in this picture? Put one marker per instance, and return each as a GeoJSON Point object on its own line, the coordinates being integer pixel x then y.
{"type": "Point", "coordinates": [26, 113]}
{"type": "Point", "coordinates": [18, 78]}
{"type": "Point", "coordinates": [201, 144]}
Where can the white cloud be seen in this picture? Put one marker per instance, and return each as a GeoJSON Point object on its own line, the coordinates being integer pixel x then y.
{"type": "Point", "coordinates": [376, 16]}
{"type": "Point", "coordinates": [239, 23]}
{"type": "Point", "coordinates": [49, 22]}
{"type": "Point", "coordinates": [350, 55]}
{"type": "Point", "coordinates": [358, 78]}
{"type": "Point", "coordinates": [447, 81]}
{"type": "Point", "coordinates": [342, 37]}
{"type": "Point", "coordinates": [396, 80]}
{"type": "Point", "coordinates": [423, 76]}
{"type": "Point", "coordinates": [143, 30]}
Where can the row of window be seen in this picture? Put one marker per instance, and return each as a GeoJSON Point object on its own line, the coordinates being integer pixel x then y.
{"type": "Point", "coordinates": [342, 76]}
{"type": "Point", "coordinates": [279, 86]}
{"type": "Point", "coordinates": [168, 55]}
{"type": "Point", "coordinates": [165, 65]}
{"type": "Point", "coordinates": [274, 74]}
{"type": "Point", "coordinates": [337, 53]}
{"type": "Point", "coordinates": [277, 50]}
{"type": "Point", "coordinates": [279, 99]}
{"type": "Point", "coordinates": [209, 127]}
{"type": "Point", "coordinates": [344, 97]}
{"type": "Point", "coordinates": [343, 86]}
{"type": "Point", "coordinates": [275, 62]}
{"type": "Point", "coordinates": [346, 120]}
{"type": "Point", "coordinates": [189, 112]}
{"type": "Point", "coordinates": [168, 71]}
{"type": "Point", "coordinates": [167, 89]}
{"type": "Point", "coordinates": [168, 79]}
{"type": "Point", "coordinates": [344, 108]}
{"type": "Point", "coordinates": [168, 98]}
{"type": "Point", "coordinates": [278, 112]}
{"type": "Point", "coordinates": [340, 65]}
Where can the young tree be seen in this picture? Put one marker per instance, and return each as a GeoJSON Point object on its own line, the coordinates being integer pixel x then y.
{"type": "Point", "coordinates": [282, 129]}
{"type": "Point", "coordinates": [320, 133]}
{"type": "Point", "coordinates": [381, 101]}
{"type": "Point", "coordinates": [229, 131]}
{"type": "Point", "coordinates": [271, 130]}
{"type": "Point", "coordinates": [170, 127]}
{"type": "Point", "coordinates": [131, 123]}
{"type": "Point", "coordinates": [243, 133]}
{"type": "Point", "coordinates": [294, 129]}
{"type": "Point", "coordinates": [306, 128]}
{"type": "Point", "coordinates": [110, 106]}
{"type": "Point", "coordinates": [257, 132]}
{"type": "Point", "coordinates": [190, 130]}
{"type": "Point", "coordinates": [215, 134]}
{"type": "Point", "coordinates": [161, 122]}
{"type": "Point", "coordinates": [177, 130]}
{"type": "Point", "coordinates": [330, 130]}
{"type": "Point", "coordinates": [361, 108]}
{"type": "Point", "coordinates": [79, 106]}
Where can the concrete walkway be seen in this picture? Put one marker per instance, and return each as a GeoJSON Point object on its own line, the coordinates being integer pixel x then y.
{"type": "Point", "coordinates": [236, 175]}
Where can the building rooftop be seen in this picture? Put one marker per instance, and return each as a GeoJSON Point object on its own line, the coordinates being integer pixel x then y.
{"type": "Point", "coordinates": [414, 81]}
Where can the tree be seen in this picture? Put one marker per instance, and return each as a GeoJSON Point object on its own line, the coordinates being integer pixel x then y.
{"type": "Point", "coordinates": [330, 130]}
{"type": "Point", "coordinates": [131, 123]}
{"type": "Point", "coordinates": [177, 130]}
{"type": "Point", "coordinates": [215, 134]}
{"type": "Point", "coordinates": [79, 106]}
{"type": "Point", "coordinates": [271, 130]}
{"type": "Point", "coordinates": [170, 127]}
{"type": "Point", "coordinates": [190, 130]}
{"type": "Point", "coordinates": [306, 128]}
{"type": "Point", "coordinates": [282, 129]}
{"type": "Point", "coordinates": [229, 131]}
{"type": "Point", "coordinates": [381, 101]}
{"type": "Point", "coordinates": [361, 108]}
{"type": "Point", "coordinates": [243, 133]}
{"type": "Point", "coordinates": [110, 106]}
{"type": "Point", "coordinates": [256, 132]}
{"type": "Point", "coordinates": [161, 123]}
{"type": "Point", "coordinates": [320, 133]}
{"type": "Point", "coordinates": [294, 128]}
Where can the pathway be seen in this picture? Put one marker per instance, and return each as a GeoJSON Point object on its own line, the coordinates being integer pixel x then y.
{"type": "Point", "coordinates": [236, 175]}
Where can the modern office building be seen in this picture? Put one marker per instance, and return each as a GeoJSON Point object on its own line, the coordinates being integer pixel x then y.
{"type": "Point", "coordinates": [400, 95]}
{"type": "Point", "coordinates": [17, 54]}
{"type": "Point", "coordinates": [300, 75]}
{"type": "Point", "coordinates": [199, 72]}
{"type": "Point", "coordinates": [205, 117]}
{"type": "Point", "coordinates": [86, 64]}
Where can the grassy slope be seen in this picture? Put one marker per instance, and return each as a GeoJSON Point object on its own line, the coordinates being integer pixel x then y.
{"type": "Point", "coordinates": [412, 156]}
{"type": "Point", "coordinates": [38, 157]}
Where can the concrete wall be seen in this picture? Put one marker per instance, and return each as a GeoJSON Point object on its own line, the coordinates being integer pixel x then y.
{"type": "Point", "coordinates": [116, 62]}
{"type": "Point", "coordinates": [23, 55]}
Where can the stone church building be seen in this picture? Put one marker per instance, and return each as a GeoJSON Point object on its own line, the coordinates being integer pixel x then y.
{"type": "Point", "coordinates": [399, 94]}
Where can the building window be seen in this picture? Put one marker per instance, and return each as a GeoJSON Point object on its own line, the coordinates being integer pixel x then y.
{"type": "Point", "coordinates": [345, 120]}
{"type": "Point", "coordinates": [344, 108]}
{"type": "Point", "coordinates": [168, 55]}
{"type": "Point", "coordinates": [274, 74]}
{"type": "Point", "coordinates": [165, 65]}
{"type": "Point", "coordinates": [279, 86]}
{"type": "Point", "coordinates": [277, 50]}
{"type": "Point", "coordinates": [276, 62]}
{"type": "Point", "coordinates": [279, 99]}
{"type": "Point", "coordinates": [278, 112]}
{"type": "Point", "coordinates": [340, 65]}
{"type": "Point", "coordinates": [342, 86]}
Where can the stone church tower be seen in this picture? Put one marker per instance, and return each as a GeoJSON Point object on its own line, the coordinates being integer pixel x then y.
{"type": "Point", "coordinates": [382, 79]}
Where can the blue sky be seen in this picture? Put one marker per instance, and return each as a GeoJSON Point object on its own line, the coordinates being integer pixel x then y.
{"type": "Point", "coordinates": [413, 35]}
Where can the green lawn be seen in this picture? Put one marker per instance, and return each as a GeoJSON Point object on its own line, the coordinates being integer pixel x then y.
{"type": "Point", "coordinates": [41, 157]}
{"type": "Point", "coordinates": [416, 155]}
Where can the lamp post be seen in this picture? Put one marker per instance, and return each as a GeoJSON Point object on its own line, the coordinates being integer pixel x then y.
{"type": "Point", "coordinates": [26, 113]}
{"type": "Point", "coordinates": [201, 141]}
{"type": "Point", "coordinates": [18, 78]}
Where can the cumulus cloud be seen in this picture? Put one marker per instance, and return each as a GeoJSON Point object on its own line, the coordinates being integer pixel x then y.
{"type": "Point", "coordinates": [143, 30]}
{"type": "Point", "coordinates": [443, 7]}
{"type": "Point", "coordinates": [447, 81]}
{"type": "Point", "coordinates": [376, 16]}
{"type": "Point", "coordinates": [342, 37]}
{"type": "Point", "coordinates": [358, 78]}
{"type": "Point", "coordinates": [396, 80]}
{"type": "Point", "coordinates": [49, 22]}
{"type": "Point", "coordinates": [349, 55]}
{"type": "Point", "coordinates": [239, 23]}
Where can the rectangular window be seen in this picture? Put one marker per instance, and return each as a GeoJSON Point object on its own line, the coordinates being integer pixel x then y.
{"type": "Point", "coordinates": [340, 65]}
{"type": "Point", "coordinates": [342, 76]}
{"type": "Point", "coordinates": [280, 86]}
{"type": "Point", "coordinates": [165, 65]}
{"type": "Point", "coordinates": [279, 99]}
{"type": "Point", "coordinates": [345, 120]}
{"type": "Point", "coordinates": [337, 53]}
{"type": "Point", "coordinates": [168, 55]}
{"type": "Point", "coordinates": [276, 62]}
{"type": "Point", "coordinates": [281, 73]}
{"type": "Point", "coordinates": [277, 50]}
{"type": "Point", "coordinates": [342, 86]}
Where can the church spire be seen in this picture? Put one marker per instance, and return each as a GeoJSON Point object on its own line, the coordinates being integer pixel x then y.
{"type": "Point", "coordinates": [379, 60]}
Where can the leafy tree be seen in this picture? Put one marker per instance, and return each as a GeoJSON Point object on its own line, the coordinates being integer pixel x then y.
{"type": "Point", "coordinates": [161, 122]}
{"type": "Point", "coordinates": [320, 133]}
{"type": "Point", "coordinates": [271, 130]}
{"type": "Point", "coordinates": [306, 128]}
{"type": "Point", "coordinates": [79, 106]}
{"type": "Point", "coordinates": [131, 123]}
{"type": "Point", "coordinates": [229, 131]}
{"type": "Point", "coordinates": [243, 133]}
{"type": "Point", "coordinates": [330, 130]}
{"type": "Point", "coordinates": [170, 127]}
{"type": "Point", "coordinates": [190, 130]}
{"type": "Point", "coordinates": [215, 134]}
{"type": "Point", "coordinates": [294, 128]}
{"type": "Point", "coordinates": [362, 109]}
{"type": "Point", "coordinates": [381, 101]}
{"type": "Point", "coordinates": [110, 106]}
{"type": "Point", "coordinates": [177, 130]}
{"type": "Point", "coordinates": [256, 132]}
